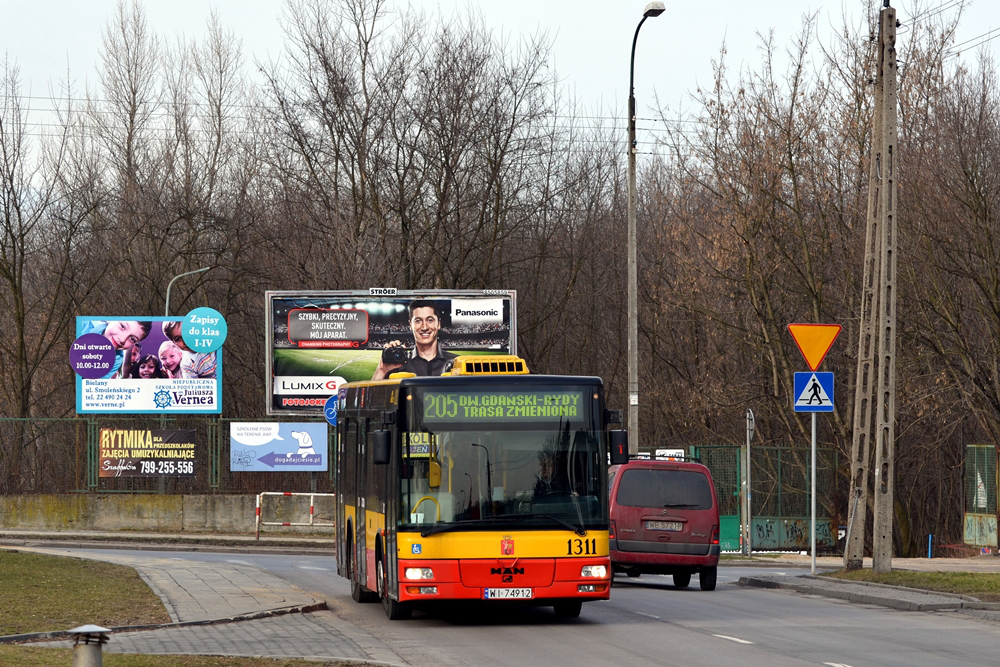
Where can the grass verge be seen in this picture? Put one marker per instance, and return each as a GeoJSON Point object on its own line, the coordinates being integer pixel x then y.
{"type": "Point", "coordinates": [42, 593]}
{"type": "Point", "coordinates": [985, 586]}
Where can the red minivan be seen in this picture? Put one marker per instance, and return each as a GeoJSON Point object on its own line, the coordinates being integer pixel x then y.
{"type": "Point", "coordinates": [664, 520]}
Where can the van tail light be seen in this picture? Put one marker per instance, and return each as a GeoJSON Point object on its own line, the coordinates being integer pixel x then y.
{"type": "Point", "coordinates": [611, 531]}
{"type": "Point", "coordinates": [715, 534]}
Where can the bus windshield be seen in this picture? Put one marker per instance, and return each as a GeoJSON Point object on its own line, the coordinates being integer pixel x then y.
{"type": "Point", "coordinates": [527, 456]}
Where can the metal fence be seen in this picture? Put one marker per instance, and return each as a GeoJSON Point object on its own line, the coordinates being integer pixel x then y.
{"type": "Point", "coordinates": [981, 479]}
{"type": "Point", "coordinates": [779, 479]}
{"type": "Point", "coordinates": [61, 456]}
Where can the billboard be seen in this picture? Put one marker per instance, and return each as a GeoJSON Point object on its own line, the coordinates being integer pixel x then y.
{"type": "Point", "coordinates": [277, 446]}
{"type": "Point", "coordinates": [145, 365]}
{"type": "Point", "coordinates": [318, 340]}
{"type": "Point", "coordinates": [141, 452]}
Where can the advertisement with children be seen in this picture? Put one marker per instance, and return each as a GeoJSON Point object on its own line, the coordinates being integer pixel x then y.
{"type": "Point", "coordinates": [149, 364]}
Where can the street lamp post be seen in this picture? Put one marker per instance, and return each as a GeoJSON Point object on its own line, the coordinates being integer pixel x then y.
{"type": "Point", "coordinates": [652, 9]}
{"type": "Point", "coordinates": [166, 310]}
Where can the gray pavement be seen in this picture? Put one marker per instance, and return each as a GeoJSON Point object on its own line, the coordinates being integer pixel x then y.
{"type": "Point", "coordinates": [236, 609]}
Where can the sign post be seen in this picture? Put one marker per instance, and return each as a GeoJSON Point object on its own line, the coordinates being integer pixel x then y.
{"type": "Point", "coordinates": [748, 524]}
{"type": "Point", "coordinates": [813, 393]}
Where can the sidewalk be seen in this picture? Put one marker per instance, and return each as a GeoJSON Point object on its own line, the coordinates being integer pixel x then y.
{"type": "Point", "coordinates": [217, 608]}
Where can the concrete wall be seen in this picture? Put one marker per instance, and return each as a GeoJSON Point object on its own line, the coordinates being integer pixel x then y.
{"type": "Point", "coordinates": [153, 512]}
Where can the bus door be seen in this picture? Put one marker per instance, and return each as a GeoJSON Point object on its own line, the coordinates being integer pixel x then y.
{"type": "Point", "coordinates": [360, 518]}
{"type": "Point", "coordinates": [391, 500]}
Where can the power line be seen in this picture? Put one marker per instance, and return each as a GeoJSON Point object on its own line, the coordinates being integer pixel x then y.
{"type": "Point", "coordinates": [957, 48]}
{"type": "Point", "coordinates": [934, 11]}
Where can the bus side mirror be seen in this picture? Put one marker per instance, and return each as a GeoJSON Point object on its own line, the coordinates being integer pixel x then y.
{"type": "Point", "coordinates": [619, 447]}
{"type": "Point", "coordinates": [381, 447]}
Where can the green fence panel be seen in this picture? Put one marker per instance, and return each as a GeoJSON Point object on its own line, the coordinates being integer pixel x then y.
{"type": "Point", "coordinates": [981, 495]}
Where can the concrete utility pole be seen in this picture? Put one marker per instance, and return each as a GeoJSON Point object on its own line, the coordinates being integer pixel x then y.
{"type": "Point", "coordinates": [878, 296]}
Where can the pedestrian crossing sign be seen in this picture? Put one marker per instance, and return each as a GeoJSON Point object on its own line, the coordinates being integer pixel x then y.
{"type": "Point", "coordinates": [813, 392]}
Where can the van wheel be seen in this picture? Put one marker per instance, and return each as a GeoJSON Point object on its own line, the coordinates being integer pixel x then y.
{"type": "Point", "coordinates": [394, 609]}
{"type": "Point", "coordinates": [569, 609]}
{"type": "Point", "coordinates": [707, 578]}
{"type": "Point", "coordinates": [633, 572]}
{"type": "Point", "coordinates": [682, 579]}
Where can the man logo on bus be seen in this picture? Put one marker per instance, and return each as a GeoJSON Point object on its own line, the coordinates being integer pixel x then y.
{"type": "Point", "coordinates": [507, 545]}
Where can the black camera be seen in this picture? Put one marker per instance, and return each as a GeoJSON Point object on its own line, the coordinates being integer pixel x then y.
{"type": "Point", "coordinates": [395, 355]}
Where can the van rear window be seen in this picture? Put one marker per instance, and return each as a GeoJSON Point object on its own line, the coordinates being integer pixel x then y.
{"type": "Point", "coordinates": [680, 489]}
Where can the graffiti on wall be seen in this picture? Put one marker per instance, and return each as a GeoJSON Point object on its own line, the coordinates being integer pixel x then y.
{"type": "Point", "coordinates": [783, 534]}
{"type": "Point", "coordinates": [981, 530]}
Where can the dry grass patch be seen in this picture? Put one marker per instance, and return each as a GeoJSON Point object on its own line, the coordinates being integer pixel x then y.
{"type": "Point", "coordinates": [42, 593]}
{"type": "Point", "coordinates": [985, 586]}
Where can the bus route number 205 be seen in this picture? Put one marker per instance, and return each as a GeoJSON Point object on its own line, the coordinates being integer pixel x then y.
{"type": "Point", "coordinates": [580, 547]}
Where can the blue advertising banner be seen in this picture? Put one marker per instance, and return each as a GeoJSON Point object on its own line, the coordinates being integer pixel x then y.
{"type": "Point", "coordinates": [141, 365]}
{"type": "Point", "coordinates": [277, 446]}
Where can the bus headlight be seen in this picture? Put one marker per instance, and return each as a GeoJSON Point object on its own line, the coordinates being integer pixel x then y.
{"type": "Point", "coordinates": [413, 573]}
{"type": "Point", "coordinates": [598, 571]}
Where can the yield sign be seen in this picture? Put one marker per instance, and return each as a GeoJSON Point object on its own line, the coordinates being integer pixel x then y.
{"type": "Point", "coordinates": [814, 341]}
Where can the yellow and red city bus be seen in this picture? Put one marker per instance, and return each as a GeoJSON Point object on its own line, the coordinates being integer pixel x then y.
{"type": "Point", "coordinates": [487, 483]}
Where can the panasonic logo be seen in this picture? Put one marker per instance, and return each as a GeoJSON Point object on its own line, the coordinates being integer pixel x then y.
{"type": "Point", "coordinates": [476, 313]}
{"type": "Point", "coordinates": [472, 312]}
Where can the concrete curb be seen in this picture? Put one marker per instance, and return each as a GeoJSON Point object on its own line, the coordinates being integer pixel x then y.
{"type": "Point", "coordinates": [169, 544]}
{"type": "Point", "coordinates": [874, 584]}
{"type": "Point", "coordinates": [57, 635]}
{"type": "Point", "coordinates": [874, 598]}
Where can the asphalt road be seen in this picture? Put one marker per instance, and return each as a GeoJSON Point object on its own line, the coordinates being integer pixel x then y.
{"type": "Point", "coordinates": [647, 622]}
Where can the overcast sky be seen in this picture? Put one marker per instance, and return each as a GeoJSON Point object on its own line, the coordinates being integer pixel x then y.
{"type": "Point", "coordinates": [591, 38]}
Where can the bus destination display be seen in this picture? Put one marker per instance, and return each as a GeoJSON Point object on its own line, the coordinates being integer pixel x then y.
{"type": "Point", "coordinates": [506, 406]}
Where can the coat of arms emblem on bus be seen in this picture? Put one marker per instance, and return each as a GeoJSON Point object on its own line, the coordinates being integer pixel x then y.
{"type": "Point", "coordinates": [507, 545]}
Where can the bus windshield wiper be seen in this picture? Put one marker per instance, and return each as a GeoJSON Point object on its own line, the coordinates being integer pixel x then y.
{"type": "Point", "coordinates": [681, 505]}
{"type": "Point", "coordinates": [500, 518]}
{"type": "Point", "coordinates": [444, 528]}
{"type": "Point", "coordinates": [531, 515]}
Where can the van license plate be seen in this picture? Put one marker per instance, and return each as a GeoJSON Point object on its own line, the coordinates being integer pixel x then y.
{"type": "Point", "coordinates": [664, 525]}
{"type": "Point", "coordinates": [506, 593]}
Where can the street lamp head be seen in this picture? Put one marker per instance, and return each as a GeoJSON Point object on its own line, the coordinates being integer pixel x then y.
{"type": "Point", "coordinates": [654, 9]}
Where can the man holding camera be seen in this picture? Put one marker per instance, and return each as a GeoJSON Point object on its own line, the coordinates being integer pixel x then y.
{"type": "Point", "coordinates": [428, 357]}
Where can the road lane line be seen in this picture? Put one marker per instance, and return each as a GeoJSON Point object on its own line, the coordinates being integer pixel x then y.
{"type": "Point", "coordinates": [733, 639]}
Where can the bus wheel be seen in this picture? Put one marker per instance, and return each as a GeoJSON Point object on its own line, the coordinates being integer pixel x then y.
{"type": "Point", "coordinates": [394, 609]}
{"type": "Point", "coordinates": [682, 579]}
{"type": "Point", "coordinates": [570, 609]}
{"type": "Point", "coordinates": [358, 592]}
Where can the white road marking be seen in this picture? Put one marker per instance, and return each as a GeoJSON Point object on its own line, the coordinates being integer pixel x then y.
{"type": "Point", "coordinates": [733, 639]}
{"type": "Point", "coordinates": [836, 664]}
{"type": "Point", "coordinates": [239, 562]}
{"type": "Point", "coordinates": [310, 567]}
{"type": "Point", "coordinates": [646, 615]}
